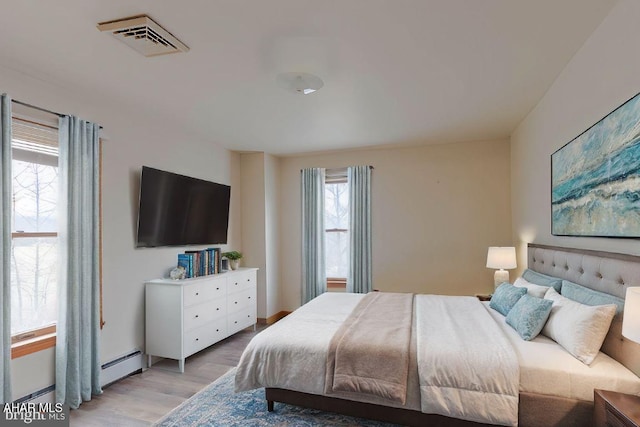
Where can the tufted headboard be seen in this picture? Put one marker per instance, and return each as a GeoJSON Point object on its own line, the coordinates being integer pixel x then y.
{"type": "Point", "coordinates": [602, 271]}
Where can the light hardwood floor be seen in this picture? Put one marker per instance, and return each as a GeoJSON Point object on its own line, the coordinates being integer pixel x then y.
{"type": "Point", "coordinates": [142, 399]}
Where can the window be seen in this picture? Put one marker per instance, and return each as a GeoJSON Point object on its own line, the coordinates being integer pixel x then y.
{"type": "Point", "coordinates": [34, 254]}
{"type": "Point", "coordinates": [336, 205]}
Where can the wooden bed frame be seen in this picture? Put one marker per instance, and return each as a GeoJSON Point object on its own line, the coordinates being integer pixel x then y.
{"type": "Point", "coordinates": [602, 271]}
{"type": "Point", "coordinates": [361, 410]}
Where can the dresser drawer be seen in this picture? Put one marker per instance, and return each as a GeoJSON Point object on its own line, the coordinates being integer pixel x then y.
{"type": "Point", "coordinates": [204, 336]}
{"type": "Point", "coordinates": [200, 292]}
{"type": "Point", "coordinates": [198, 315]}
{"type": "Point", "coordinates": [241, 319]}
{"type": "Point", "coordinates": [241, 281]}
{"type": "Point", "coordinates": [241, 300]}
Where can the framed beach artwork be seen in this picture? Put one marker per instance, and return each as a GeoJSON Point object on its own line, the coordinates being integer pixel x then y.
{"type": "Point", "coordinates": [595, 178]}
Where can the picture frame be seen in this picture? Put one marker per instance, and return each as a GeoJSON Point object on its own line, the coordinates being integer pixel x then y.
{"type": "Point", "coordinates": [595, 178]}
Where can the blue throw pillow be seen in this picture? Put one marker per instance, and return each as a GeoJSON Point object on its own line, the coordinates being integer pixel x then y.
{"type": "Point", "coordinates": [542, 279]}
{"type": "Point", "coordinates": [529, 315]}
{"type": "Point", "coordinates": [505, 297]}
{"type": "Point", "coordinates": [588, 296]}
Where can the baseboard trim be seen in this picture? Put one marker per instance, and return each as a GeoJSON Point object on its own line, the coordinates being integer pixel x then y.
{"type": "Point", "coordinates": [273, 319]}
{"type": "Point", "coordinates": [46, 395]}
{"type": "Point", "coordinates": [121, 367]}
{"type": "Point", "coordinates": [110, 372]}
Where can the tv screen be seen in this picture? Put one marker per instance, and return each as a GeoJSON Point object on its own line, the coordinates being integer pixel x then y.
{"type": "Point", "coordinates": [178, 210]}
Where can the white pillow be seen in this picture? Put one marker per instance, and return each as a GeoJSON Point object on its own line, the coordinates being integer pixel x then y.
{"type": "Point", "coordinates": [532, 289]}
{"type": "Point", "coordinates": [579, 328]}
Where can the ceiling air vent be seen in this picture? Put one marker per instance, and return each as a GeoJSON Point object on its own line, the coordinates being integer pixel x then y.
{"type": "Point", "coordinates": [144, 35]}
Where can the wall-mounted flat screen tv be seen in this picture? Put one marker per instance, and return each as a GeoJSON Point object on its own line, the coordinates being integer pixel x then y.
{"type": "Point", "coordinates": [177, 210]}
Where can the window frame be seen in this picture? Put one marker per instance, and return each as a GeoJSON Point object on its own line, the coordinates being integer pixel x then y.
{"type": "Point", "coordinates": [33, 341]}
{"type": "Point", "coordinates": [38, 339]}
{"type": "Point", "coordinates": [336, 176]}
{"type": "Point", "coordinates": [336, 283]}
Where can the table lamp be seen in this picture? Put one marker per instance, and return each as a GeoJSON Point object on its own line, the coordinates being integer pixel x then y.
{"type": "Point", "coordinates": [631, 319]}
{"type": "Point", "coordinates": [501, 258]}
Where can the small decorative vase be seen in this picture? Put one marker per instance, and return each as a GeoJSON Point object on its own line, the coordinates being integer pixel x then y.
{"type": "Point", "coordinates": [234, 264]}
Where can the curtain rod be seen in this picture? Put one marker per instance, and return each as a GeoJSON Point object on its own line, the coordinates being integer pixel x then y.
{"type": "Point", "coordinates": [44, 110]}
{"type": "Point", "coordinates": [370, 167]}
{"type": "Point", "coordinates": [38, 108]}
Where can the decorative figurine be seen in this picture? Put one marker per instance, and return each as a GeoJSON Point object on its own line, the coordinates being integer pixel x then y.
{"type": "Point", "coordinates": [178, 273]}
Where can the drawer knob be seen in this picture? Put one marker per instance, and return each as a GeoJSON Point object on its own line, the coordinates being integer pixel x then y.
{"type": "Point", "coordinates": [217, 289]}
{"type": "Point", "coordinates": [197, 316]}
{"type": "Point", "coordinates": [249, 297]}
{"type": "Point", "coordinates": [248, 315]}
{"type": "Point", "coordinates": [235, 321]}
{"type": "Point", "coordinates": [236, 302]}
{"type": "Point", "coordinates": [217, 330]}
{"type": "Point", "coordinates": [197, 293]}
{"type": "Point", "coordinates": [197, 339]}
{"type": "Point", "coordinates": [217, 308]}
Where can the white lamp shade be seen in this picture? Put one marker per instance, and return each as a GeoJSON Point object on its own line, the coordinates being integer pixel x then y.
{"type": "Point", "coordinates": [501, 257]}
{"type": "Point", "coordinates": [631, 320]}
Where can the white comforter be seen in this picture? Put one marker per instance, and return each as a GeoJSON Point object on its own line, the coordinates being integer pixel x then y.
{"type": "Point", "coordinates": [467, 367]}
{"type": "Point", "coordinates": [292, 355]}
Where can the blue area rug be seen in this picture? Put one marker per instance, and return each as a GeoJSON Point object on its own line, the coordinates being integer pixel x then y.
{"type": "Point", "coordinates": [218, 405]}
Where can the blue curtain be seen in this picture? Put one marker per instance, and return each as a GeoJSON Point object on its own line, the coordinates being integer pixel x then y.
{"type": "Point", "coordinates": [359, 280]}
{"type": "Point", "coordinates": [5, 247]}
{"type": "Point", "coordinates": [77, 342]}
{"type": "Point", "coordinates": [314, 276]}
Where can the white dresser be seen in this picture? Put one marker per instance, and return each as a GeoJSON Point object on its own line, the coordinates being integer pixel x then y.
{"type": "Point", "coordinates": [186, 316]}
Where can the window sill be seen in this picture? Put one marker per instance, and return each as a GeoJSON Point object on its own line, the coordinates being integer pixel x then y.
{"type": "Point", "coordinates": [33, 345]}
{"type": "Point", "coordinates": [336, 284]}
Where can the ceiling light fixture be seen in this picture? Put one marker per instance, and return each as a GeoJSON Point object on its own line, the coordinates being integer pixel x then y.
{"type": "Point", "coordinates": [302, 83]}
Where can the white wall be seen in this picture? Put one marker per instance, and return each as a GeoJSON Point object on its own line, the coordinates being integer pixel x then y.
{"type": "Point", "coordinates": [435, 211]}
{"type": "Point", "coordinates": [260, 222]}
{"type": "Point", "coordinates": [272, 230]}
{"type": "Point", "coordinates": [132, 141]}
{"type": "Point", "coordinates": [253, 221]}
{"type": "Point", "coordinates": [599, 78]}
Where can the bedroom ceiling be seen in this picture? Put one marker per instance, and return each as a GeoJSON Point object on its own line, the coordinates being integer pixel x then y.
{"type": "Point", "coordinates": [394, 71]}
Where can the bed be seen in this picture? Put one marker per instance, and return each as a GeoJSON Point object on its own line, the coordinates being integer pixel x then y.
{"type": "Point", "coordinates": [289, 358]}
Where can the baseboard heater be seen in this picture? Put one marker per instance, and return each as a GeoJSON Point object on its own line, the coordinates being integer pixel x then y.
{"type": "Point", "coordinates": [111, 372]}
{"type": "Point", "coordinates": [45, 395]}
{"type": "Point", "coordinates": [121, 367]}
